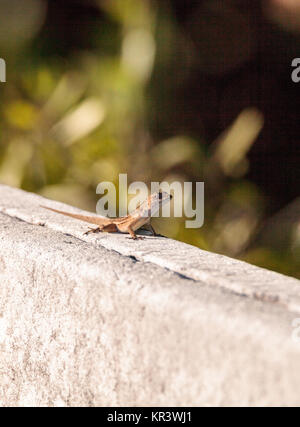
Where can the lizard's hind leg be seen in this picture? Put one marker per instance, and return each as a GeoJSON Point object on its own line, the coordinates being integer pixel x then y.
{"type": "Point", "coordinates": [109, 228]}
{"type": "Point", "coordinates": [92, 230]}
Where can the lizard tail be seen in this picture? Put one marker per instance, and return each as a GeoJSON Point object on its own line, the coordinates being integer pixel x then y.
{"type": "Point", "coordinates": [90, 219]}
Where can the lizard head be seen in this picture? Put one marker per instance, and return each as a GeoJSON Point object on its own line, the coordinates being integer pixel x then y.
{"type": "Point", "coordinates": [163, 197]}
{"type": "Point", "coordinates": [156, 200]}
{"type": "Point", "coordinates": [151, 206]}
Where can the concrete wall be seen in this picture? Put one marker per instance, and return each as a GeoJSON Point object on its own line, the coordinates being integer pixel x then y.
{"type": "Point", "coordinates": [105, 320]}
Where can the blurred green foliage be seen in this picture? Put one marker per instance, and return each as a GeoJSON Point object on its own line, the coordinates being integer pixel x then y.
{"type": "Point", "coordinates": [67, 125]}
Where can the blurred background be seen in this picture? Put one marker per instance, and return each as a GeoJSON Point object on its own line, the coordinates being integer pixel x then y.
{"type": "Point", "coordinates": [161, 90]}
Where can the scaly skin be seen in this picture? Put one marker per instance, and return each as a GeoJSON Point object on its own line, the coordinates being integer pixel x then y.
{"type": "Point", "coordinates": [140, 217]}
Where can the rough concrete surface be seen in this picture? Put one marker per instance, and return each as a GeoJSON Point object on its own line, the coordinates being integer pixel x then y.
{"type": "Point", "coordinates": [104, 320]}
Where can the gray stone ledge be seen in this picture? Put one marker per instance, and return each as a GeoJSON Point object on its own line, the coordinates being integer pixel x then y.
{"type": "Point", "coordinates": [104, 320]}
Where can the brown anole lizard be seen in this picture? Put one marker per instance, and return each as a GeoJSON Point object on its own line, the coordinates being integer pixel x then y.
{"type": "Point", "coordinates": [140, 217]}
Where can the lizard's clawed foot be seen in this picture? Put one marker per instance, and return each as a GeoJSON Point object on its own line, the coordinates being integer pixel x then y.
{"type": "Point", "coordinates": [92, 230]}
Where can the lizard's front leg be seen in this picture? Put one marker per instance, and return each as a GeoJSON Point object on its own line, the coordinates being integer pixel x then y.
{"type": "Point", "coordinates": [133, 235]}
